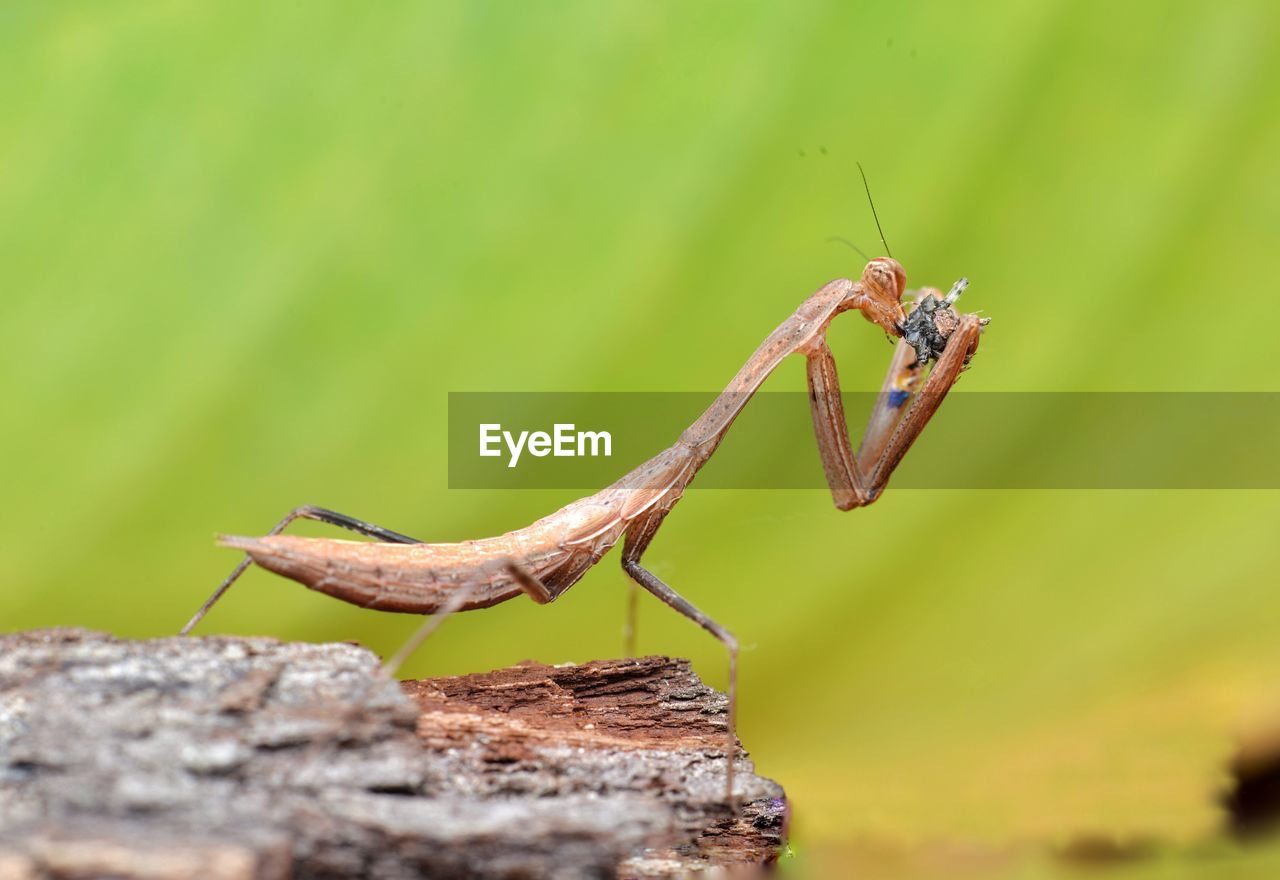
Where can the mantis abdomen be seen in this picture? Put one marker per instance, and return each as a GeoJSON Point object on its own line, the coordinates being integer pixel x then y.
{"type": "Point", "coordinates": [421, 578]}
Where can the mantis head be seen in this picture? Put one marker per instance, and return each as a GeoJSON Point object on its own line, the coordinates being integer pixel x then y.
{"type": "Point", "coordinates": [878, 294]}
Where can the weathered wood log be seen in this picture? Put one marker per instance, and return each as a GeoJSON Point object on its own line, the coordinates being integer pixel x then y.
{"type": "Point", "coordinates": [251, 758]}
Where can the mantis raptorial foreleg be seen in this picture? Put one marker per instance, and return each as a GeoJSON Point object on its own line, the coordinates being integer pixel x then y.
{"type": "Point", "coordinates": [857, 481]}
{"type": "Point", "coordinates": [832, 429]}
{"type": "Point", "coordinates": [306, 511]}
{"type": "Point", "coordinates": [960, 347]}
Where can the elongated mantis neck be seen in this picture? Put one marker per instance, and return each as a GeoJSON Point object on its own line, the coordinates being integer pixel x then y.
{"type": "Point", "coordinates": [792, 335]}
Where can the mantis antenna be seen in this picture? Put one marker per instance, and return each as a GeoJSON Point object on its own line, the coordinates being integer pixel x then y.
{"type": "Point", "coordinates": [850, 244]}
{"type": "Point", "coordinates": [867, 187]}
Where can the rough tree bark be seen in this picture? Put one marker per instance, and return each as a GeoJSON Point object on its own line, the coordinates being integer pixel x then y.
{"type": "Point", "coordinates": [251, 758]}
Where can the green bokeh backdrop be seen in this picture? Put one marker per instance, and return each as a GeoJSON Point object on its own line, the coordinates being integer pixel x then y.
{"type": "Point", "coordinates": [247, 249]}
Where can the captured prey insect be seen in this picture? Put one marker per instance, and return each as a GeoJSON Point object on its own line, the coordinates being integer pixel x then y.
{"type": "Point", "coordinates": [398, 573]}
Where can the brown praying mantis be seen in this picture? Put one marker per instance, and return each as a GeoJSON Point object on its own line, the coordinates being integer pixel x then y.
{"type": "Point", "coordinates": [398, 573]}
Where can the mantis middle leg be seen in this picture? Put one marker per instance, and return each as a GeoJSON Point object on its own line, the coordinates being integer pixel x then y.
{"type": "Point", "coordinates": [639, 535]}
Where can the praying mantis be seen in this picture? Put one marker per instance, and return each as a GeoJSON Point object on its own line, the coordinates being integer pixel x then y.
{"type": "Point", "coordinates": [394, 572]}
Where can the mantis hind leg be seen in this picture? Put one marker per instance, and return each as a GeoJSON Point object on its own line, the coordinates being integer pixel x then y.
{"type": "Point", "coordinates": [306, 511]}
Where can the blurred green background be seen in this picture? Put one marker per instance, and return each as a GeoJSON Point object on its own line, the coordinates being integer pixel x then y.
{"type": "Point", "coordinates": [246, 250]}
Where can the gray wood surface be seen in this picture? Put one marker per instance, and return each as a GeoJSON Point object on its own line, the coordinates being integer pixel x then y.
{"type": "Point", "coordinates": [245, 758]}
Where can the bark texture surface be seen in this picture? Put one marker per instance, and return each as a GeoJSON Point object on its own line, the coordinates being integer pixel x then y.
{"type": "Point", "coordinates": [252, 758]}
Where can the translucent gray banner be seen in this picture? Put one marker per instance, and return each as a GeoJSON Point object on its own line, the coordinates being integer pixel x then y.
{"type": "Point", "coordinates": [1209, 440]}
